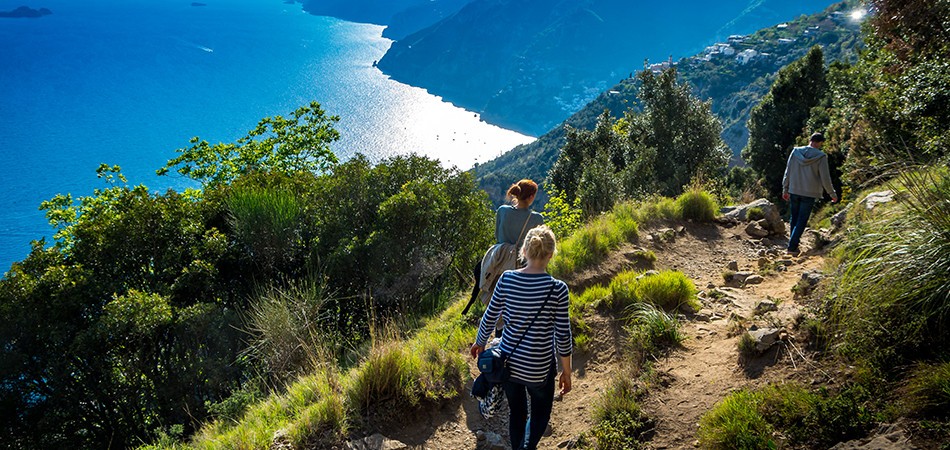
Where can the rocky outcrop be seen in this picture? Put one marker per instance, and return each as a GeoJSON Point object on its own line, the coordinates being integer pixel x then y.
{"type": "Point", "coordinates": [770, 223]}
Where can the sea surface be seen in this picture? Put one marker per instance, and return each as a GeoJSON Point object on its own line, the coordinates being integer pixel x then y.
{"type": "Point", "coordinates": [128, 82]}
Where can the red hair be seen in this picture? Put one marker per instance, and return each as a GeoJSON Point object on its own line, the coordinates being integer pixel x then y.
{"type": "Point", "coordinates": [522, 191]}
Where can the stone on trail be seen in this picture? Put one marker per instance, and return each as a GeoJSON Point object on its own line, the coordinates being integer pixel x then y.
{"type": "Point", "coordinates": [765, 338]}
{"type": "Point", "coordinates": [376, 442]}
{"type": "Point", "coordinates": [740, 213]}
{"type": "Point", "coordinates": [754, 279]}
{"type": "Point", "coordinates": [765, 306]}
{"type": "Point", "coordinates": [755, 230]}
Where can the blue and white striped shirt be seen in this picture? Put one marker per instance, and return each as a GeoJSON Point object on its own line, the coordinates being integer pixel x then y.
{"type": "Point", "coordinates": [517, 298]}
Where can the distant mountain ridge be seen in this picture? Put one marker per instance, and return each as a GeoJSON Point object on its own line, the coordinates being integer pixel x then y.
{"type": "Point", "coordinates": [734, 88]}
{"type": "Point", "coordinates": [401, 17]}
{"type": "Point", "coordinates": [529, 64]}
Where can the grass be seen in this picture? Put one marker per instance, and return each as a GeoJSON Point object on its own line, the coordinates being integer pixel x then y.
{"type": "Point", "coordinates": [755, 213]}
{"type": "Point", "coordinates": [928, 391]}
{"type": "Point", "coordinates": [619, 422]}
{"type": "Point", "coordinates": [669, 290]}
{"type": "Point", "coordinates": [696, 205]}
{"type": "Point", "coordinates": [318, 410]}
{"type": "Point", "coordinates": [746, 346]}
{"type": "Point", "coordinates": [891, 303]}
{"type": "Point", "coordinates": [286, 325]}
{"type": "Point", "coordinates": [750, 419]}
{"type": "Point", "coordinates": [652, 330]}
{"type": "Point", "coordinates": [594, 241]}
{"type": "Point", "coordinates": [735, 423]}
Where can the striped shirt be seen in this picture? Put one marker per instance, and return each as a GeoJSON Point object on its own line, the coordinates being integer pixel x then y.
{"type": "Point", "coordinates": [517, 298]}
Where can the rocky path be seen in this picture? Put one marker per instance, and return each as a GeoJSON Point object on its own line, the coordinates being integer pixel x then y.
{"type": "Point", "coordinates": [707, 368]}
{"type": "Point", "coordinates": [692, 379]}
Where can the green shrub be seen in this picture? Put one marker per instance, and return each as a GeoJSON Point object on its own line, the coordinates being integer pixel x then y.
{"type": "Point", "coordinates": [288, 328]}
{"type": "Point", "coordinates": [593, 243]}
{"type": "Point", "coordinates": [619, 423]}
{"type": "Point", "coordinates": [746, 346]}
{"type": "Point", "coordinates": [669, 290]}
{"type": "Point", "coordinates": [696, 205]}
{"type": "Point", "coordinates": [736, 424]}
{"type": "Point", "coordinates": [651, 329]}
{"type": "Point", "coordinates": [755, 213]}
{"type": "Point", "coordinates": [929, 390]}
{"type": "Point", "coordinates": [891, 303]}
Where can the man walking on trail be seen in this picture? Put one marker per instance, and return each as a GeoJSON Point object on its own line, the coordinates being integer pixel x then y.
{"type": "Point", "coordinates": [806, 174]}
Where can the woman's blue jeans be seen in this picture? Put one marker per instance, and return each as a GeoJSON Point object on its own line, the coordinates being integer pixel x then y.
{"type": "Point", "coordinates": [542, 401]}
{"type": "Point", "coordinates": [800, 209]}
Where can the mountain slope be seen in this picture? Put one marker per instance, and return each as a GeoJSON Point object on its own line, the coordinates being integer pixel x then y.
{"type": "Point", "coordinates": [402, 17]}
{"type": "Point", "coordinates": [528, 65]}
{"type": "Point", "coordinates": [733, 87]}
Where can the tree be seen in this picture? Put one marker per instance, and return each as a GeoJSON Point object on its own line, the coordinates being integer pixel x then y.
{"type": "Point", "coordinates": [276, 145]}
{"type": "Point", "coordinates": [781, 116]}
{"type": "Point", "coordinates": [661, 149]}
{"type": "Point", "coordinates": [680, 128]}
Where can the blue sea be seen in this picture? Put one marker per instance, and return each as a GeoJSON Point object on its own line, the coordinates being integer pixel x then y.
{"type": "Point", "coordinates": [129, 81]}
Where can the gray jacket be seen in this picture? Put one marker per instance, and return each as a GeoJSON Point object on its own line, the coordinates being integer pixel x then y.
{"type": "Point", "coordinates": [807, 173]}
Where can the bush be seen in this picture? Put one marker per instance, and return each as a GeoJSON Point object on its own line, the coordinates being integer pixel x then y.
{"type": "Point", "coordinates": [668, 289]}
{"type": "Point", "coordinates": [619, 423]}
{"type": "Point", "coordinates": [929, 391]}
{"type": "Point", "coordinates": [892, 299]}
{"type": "Point", "coordinates": [594, 242]}
{"type": "Point", "coordinates": [736, 424]}
{"type": "Point", "coordinates": [755, 213]}
{"type": "Point", "coordinates": [696, 205]}
{"type": "Point", "coordinates": [652, 330]}
{"type": "Point", "coordinates": [748, 419]}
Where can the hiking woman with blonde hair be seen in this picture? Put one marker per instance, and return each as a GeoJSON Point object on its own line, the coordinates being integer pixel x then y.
{"type": "Point", "coordinates": [534, 306]}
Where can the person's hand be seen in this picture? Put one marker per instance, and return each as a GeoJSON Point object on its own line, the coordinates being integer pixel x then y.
{"type": "Point", "coordinates": [476, 350]}
{"type": "Point", "coordinates": [834, 199]}
{"type": "Point", "coordinates": [564, 383]}
{"type": "Point", "coordinates": [785, 196]}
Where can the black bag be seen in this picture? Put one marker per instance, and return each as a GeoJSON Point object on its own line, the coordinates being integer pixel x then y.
{"type": "Point", "coordinates": [493, 363]}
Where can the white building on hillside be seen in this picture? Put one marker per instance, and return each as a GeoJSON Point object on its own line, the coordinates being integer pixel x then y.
{"type": "Point", "coordinates": [746, 56]}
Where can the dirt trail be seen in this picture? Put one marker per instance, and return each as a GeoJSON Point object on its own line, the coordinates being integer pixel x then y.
{"type": "Point", "coordinates": [707, 369]}
{"type": "Point", "coordinates": [693, 378]}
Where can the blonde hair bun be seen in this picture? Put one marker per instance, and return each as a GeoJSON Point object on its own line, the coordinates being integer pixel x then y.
{"type": "Point", "coordinates": [539, 244]}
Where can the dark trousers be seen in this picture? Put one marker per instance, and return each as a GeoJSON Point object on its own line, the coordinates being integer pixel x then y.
{"type": "Point", "coordinates": [542, 401]}
{"type": "Point", "coordinates": [800, 209]}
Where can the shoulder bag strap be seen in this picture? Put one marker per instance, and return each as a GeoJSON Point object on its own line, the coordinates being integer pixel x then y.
{"type": "Point", "coordinates": [553, 284]}
{"type": "Point", "coordinates": [522, 234]}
